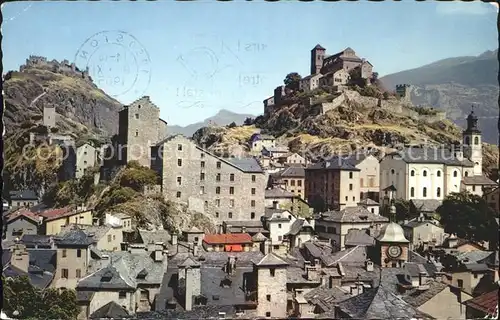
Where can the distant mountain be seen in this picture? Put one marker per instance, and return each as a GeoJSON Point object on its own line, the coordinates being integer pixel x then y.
{"type": "Point", "coordinates": [454, 84]}
{"type": "Point", "coordinates": [222, 118]}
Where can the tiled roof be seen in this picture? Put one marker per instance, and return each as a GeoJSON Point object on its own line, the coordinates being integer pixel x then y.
{"type": "Point", "coordinates": [334, 163]}
{"type": "Point", "coordinates": [355, 255]}
{"type": "Point", "coordinates": [111, 310]}
{"type": "Point", "coordinates": [84, 296]}
{"type": "Point", "coordinates": [22, 213]}
{"type": "Point", "coordinates": [250, 165]}
{"type": "Point", "coordinates": [43, 259]}
{"type": "Point", "coordinates": [426, 205]}
{"type": "Point", "coordinates": [353, 214]}
{"type": "Point", "coordinates": [233, 238]}
{"type": "Point", "coordinates": [74, 237]}
{"type": "Point", "coordinates": [259, 237]}
{"type": "Point", "coordinates": [31, 240]}
{"type": "Point", "coordinates": [23, 195]}
{"type": "Point", "coordinates": [417, 298]}
{"type": "Point", "coordinates": [318, 46]}
{"type": "Point", "coordinates": [293, 172]}
{"type": "Point", "coordinates": [486, 302]}
{"type": "Point", "coordinates": [368, 202]}
{"type": "Point", "coordinates": [93, 231]}
{"type": "Point", "coordinates": [476, 256]}
{"type": "Point", "coordinates": [414, 269]}
{"type": "Point", "coordinates": [430, 155]}
{"type": "Point", "coordinates": [189, 262]}
{"type": "Point", "coordinates": [326, 297]}
{"type": "Point", "coordinates": [477, 267]}
{"type": "Point", "coordinates": [277, 192]}
{"type": "Point", "coordinates": [355, 237]}
{"type": "Point", "coordinates": [478, 180]}
{"type": "Point", "coordinates": [271, 259]}
{"type": "Point", "coordinates": [298, 225]}
{"type": "Point", "coordinates": [154, 236]}
{"type": "Point", "coordinates": [193, 230]}
{"type": "Point", "coordinates": [416, 223]}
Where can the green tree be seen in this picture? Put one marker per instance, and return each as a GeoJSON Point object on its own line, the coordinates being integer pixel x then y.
{"type": "Point", "coordinates": [292, 80]}
{"type": "Point", "coordinates": [136, 176]}
{"type": "Point", "coordinates": [469, 216]}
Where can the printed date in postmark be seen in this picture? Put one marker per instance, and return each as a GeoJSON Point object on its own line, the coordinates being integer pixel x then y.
{"type": "Point", "coordinates": [117, 63]}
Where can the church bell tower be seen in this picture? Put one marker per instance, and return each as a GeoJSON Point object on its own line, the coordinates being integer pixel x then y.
{"type": "Point", "coordinates": [472, 144]}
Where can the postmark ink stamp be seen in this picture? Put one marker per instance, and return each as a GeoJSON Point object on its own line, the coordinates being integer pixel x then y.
{"type": "Point", "coordinates": [117, 63]}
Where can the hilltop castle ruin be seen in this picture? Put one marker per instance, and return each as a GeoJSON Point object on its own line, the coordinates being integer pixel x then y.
{"type": "Point", "coordinates": [63, 67]}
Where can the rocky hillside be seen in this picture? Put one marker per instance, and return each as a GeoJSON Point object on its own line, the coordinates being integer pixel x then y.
{"type": "Point", "coordinates": [77, 100]}
{"type": "Point", "coordinates": [454, 85]}
{"type": "Point", "coordinates": [356, 122]}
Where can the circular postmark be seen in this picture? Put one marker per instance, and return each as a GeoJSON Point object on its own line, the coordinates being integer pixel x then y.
{"type": "Point", "coordinates": [117, 63]}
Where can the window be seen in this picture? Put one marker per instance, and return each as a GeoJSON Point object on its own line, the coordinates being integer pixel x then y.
{"type": "Point", "coordinates": [252, 215]}
{"type": "Point", "coordinates": [466, 173]}
{"type": "Point", "coordinates": [202, 176]}
{"type": "Point", "coordinates": [272, 272]}
{"type": "Point", "coordinates": [438, 173]}
{"type": "Point", "coordinates": [217, 190]}
{"type": "Point", "coordinates": [476, 140]}
{"type": "Point", "coordinates": [350, 186]}
{"type": "Point", "coordinates": [78, 273]}
{"type": "Point", "coordinates": [202, 164]}
{"type": "Point", "coordinates": [350, 175]}
{"type": "Point", "coordinates": [475, 275]}
{"type": "Point", "coordinates": [202, 155]}
{"type": "Point", "coordinates": [412, 192]}
{"type": "Point", "coordinates": [268, 297]}
{"type": "Point", "coordinates": [179, 147]}
{"type": "Point", "coordinates": [230, 215]}
{"type": "Point", "coordinates": [179, 162]}
{"type": "Point", "coordinates": [346, 198]}
{"type": "Point", "coordinates": [122, 295]}
{"type": "Point", "coordinates": [424, 192]}
{"type": "Point", "coordinates": [372, 210]}
{"type": "Point", "coordinates": [455, 173]}
{"type": "Point", "coordinates": [218, 164]}
{"type": "Point", "coordinates": [253, 178]}
{"type": "Point", "coordinates": [217, 177]}
{"type": "Point", "coordinates": [231, 203]}
{"type": "Point", "coordinates": [114, 237]}
{"type": "Point", "coordinates": [231, 190]}
{"type": "Point", "coordinates": [216, 214]}
{"type": "Point", "coordinates": [460, 283]}
{"type": "Point", "coordinates": [79, 253]}
{"type": "Point", "coordinates": [353, 198]}
{"type": "Point", "coordinates": [252, 203]}
{"type": "Point", "coordinates": [292, 183]}
{"type": "Point", "coordinates": [109, 238]}
{"type": "Point", "coordinates": [467, 140]}
{"type": "Point", "coordinates": [202, 190]}
{"type": "Point", "coordinates": [286, 182]}
{"type": "Point", "coordinates": [473, 188]}
{"type": "Point", "coordinates": [64, 253]}
{"type": "Point", "coordinates": [179, 181]}
{"type": "Point", "coordinates": [64, 273]}
{"type": "Point", "coordinates": [424, 173]}
{"type": "Point", "coordinates": [136, 133]}
{"type": "Point", "coordinates": [279, 225]}
{"type": "Point", "coordinates": [206, 204]}
{"type": "Point", "coordinates": [392, 171]}
{"type": "Point", "coordinates": [299, 183]}
{"type": "Point", "coordinates": [412, 173]}
{"type": "Point", "coordinates": [231, 177]}
{"type": "Point", "coordinates": [178, 195]}
{"type": "Point", "coordinates": [438, 192]}
{"type": "Point", "coordinates": [268, 314]}
{"type": "Point", "coordinates": [217, 202]}
{"type": "Point", "coordinates": [253, 191]}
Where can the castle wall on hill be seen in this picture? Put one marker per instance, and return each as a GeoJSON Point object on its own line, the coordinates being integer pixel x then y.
{"type": "Point", "coordinates": [63, 67]}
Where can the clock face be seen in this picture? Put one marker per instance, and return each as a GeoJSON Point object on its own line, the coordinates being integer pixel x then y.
{"type": "Point", "coordinates": [394, 251]}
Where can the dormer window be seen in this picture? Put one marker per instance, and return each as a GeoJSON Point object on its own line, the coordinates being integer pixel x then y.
{"type": "Point", "coordinates": [142, 275]}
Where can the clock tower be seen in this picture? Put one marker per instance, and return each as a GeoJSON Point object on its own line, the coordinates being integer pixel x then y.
{"type": "Point", "coordinates": [392, 246]}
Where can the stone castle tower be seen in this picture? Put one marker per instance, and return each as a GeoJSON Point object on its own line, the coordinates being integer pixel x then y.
{"type": "Point", "coordinates": [317, 57]}
{"type": "Point", "coordinates": [139, 127]}
{"type": "Point", "coordinates": [403, 92]}
{"type": "Point", "coordinates": [472, 144]}
{"type": "Point", "coordinates": [271, 287]}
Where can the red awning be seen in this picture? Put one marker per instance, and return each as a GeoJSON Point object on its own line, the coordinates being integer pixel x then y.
{"type": "Point", "coordinates": [234, 248]}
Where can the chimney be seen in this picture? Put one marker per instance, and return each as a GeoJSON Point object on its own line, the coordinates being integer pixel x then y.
{"type": "Point", "coordinates": [195, 250]}
{"type": "Point", "coordinates": [20, 257]}
{"type": "Point", "coordinates": [243, 229]}
{"type": "Point", "coordinates": [421, 276]}
{"type": "Point", "coordinates": [158, 252]}
{"type": "Point", "coordinates": [312, 273]}
{"type": "Point", "coordinates": [228, 228]}
{"type": "Point", "coordinates": [267, 245]}
{"type": "Point", "coordinates": [189, 289]}
{"type": "Point", "coordinates": [316, 263]}
{"type": "Point", "coordinates": [369, 265]}
{"type": "Point", "coordinates": [405, 222]}
{"type": "Point", "coordinates": [165, 260]}
{"type": "Point", "coordinates": [275, 205]}
{"type": "Point", "coordinates": [105, 260]}
{"type": "Point", "coordinates": [173, 239]}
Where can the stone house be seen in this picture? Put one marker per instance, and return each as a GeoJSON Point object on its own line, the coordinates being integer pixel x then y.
{"type": "Point", "coordinates": [105, 237]}
{"type": "Point", "coordinates": [278, 222]}
{"type": "Point", "coordinates": [310, 82]}
{"type": "Point", "coordinates": [335, 78]}
{"type": "Point", "coordinates": [478, 185]}
{"type": "Point", "coordinates": [493, 199]}
{"type": "Point", "coordinates": [139, 127]}
{"type": "Point", "coordinates": [224, 188]}
{"type": "Point", "coordinates": [287, 200]}
{"type": "Point", "coordinates": [119, 219]}
{"type": "Point", "coordinates": [275, 152]}
{"type": "Point", "coordinates": [295, 158]}
{"type": "Point", "coordinates": [293, 180]}
{"type": "Point", "coordinates": [370, 205]}
{"type": "Point", "coordinates": [54, 220]}
{"type": "Point", "coordinates": [332, 184]}
{"type": "Point", "coordinates": [259, 141]}
{"type": "Point", "coordinates": [86, 157]}
{"type": "Point", "coordinates": [19, 223]}
{"type": "Point", "coordinates": [250, 227]}
{"type": "Point", "coordinates": [335, 225]}
{"type": "Point", "coordinates": [235, 242]}
{"type": "Point", "coordinates": [24, 198]}
{"type": "Point", "coordinates": [300, 232]}
{"type": "Point", "coordinates": [468, 275]}
{"type": "Point", "coordinates": [194, 235]}
{"type": "Point", "coordinates": [132, 279]}
{"type": "Point", "coordinates": [421, 232]}
{"type": "Point", "coordinates": [73, 258]}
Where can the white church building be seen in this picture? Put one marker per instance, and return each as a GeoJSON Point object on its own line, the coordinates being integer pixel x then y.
{"type": "Point", "coordinates": [432, 173]}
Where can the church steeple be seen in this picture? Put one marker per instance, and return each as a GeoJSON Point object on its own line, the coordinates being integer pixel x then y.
{"type": "Point", "coordinates": [472, 126]}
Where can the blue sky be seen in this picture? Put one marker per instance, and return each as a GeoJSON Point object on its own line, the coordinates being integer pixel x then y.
{"type": "Point", "coordinates": [195, 58]}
